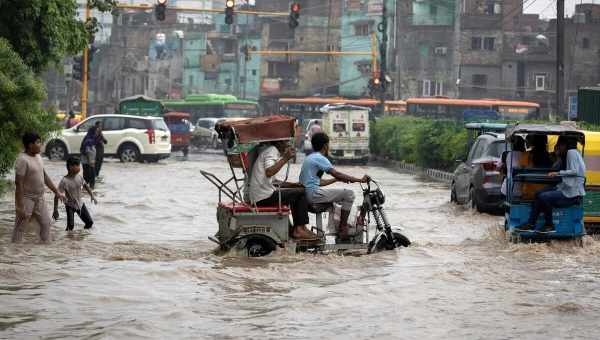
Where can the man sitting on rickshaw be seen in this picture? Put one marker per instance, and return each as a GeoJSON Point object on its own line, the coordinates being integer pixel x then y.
{"type": "Point", "coordinates": [314, 166]}
{"type": "Point", "coordinates": [567, 193]}
{"type": "Point", "coordinates": [261, 188]}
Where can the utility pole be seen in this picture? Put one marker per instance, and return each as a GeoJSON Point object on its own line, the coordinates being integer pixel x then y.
{"type": "Point", "coordinates": [383, 28]}
{"type": "Point", "coordinates": [84, 76]}
{"type": "Point", "coordinates": [560, 70]}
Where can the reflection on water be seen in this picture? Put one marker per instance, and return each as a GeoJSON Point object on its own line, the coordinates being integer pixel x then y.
{"type": "Point", "coordinates": [147, 270]}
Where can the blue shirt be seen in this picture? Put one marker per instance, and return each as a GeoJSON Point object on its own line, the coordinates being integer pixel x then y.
{"type": "Point", "coordinates": [313, 164]}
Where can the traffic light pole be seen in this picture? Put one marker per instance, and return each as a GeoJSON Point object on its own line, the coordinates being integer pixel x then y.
{"type": "Point", "coordinates": [84, 76]}
{"type": "Point", "coordinates": [383, 28]}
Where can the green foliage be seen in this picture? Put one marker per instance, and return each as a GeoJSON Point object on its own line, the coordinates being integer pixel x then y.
{"type": "Point", "coordinates": [21, 94]}
{"type": "Point", "coordinates": [42, 32]}
{"type": "Point", "coordinates": [427, 143]}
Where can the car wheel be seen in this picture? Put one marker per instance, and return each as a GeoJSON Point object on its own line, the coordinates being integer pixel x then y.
{"type": "Point", "coordinates": [473, 203]}
{"type": "Point", "coordinates": [129, 153]}
{"type": "Point", "coordinates": [453, 198]}
{"type": "Point", "coordinates": [56, 151]}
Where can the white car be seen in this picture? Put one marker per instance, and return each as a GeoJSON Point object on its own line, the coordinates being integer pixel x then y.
{"type": "Point", "coordinates": [130, 138]}
{"type": "Point", "coordinates": [206, 126]}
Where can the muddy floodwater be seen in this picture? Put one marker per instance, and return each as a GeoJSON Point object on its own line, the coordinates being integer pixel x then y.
{"type": "Point", "coordinates": [147, 271]}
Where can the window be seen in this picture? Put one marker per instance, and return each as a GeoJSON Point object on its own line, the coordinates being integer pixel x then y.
{"type": "Point", "coordinates": [137, 124]}
{"type": "Point", "coordinates": [159, 124]}
{"type": "Point", "coordinates": [479, 80]}
{"type": "Point", "coordinates": [488, 44]}
{"type": "Point", "coordinates": [426, 88]}
{"type": "Point", "coordinates": [83, 127]}
{"type": "Point", "coordinates": [476, 43]}
{"type": "Point", "coordinates": [439, 88]}
{"type": "Point", "coordinates": [229, 46]}
{"type": "Point", "coordinates": [476, 147]}
{"type": "Point", "coordinates": [361, 29]}
{"type": "Point", "coordinates": [496, 149]}
{"type": "Point", "coordinates": [540, 82]}
{"type": "Point", "coordinates": [339, 127]}
{"type": "Point", "coordinates": [358, 127]}
{"type": "Point", "coordinates": [433, 10]}
{"type": "Point", "coordinates": [113, 123]}
{"type": "Point", "coordinates": [191, 80]}
{"type": "Point", "coordinates": [432, 88]}
{"type": "Point", "coordinates": [253, 72]}
{"type": "Point", "coordinates": [585, 43]}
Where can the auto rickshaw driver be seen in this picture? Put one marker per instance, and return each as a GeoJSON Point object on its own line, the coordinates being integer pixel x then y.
{"type": "Point", "coordinates": [567, 193]}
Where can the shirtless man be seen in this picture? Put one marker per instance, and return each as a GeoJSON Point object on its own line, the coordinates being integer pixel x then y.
{"type": "Point", "coordinates": [30, 178]}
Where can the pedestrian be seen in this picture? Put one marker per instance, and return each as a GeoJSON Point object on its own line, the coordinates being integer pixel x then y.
{"type": "Point", "coordinates": [30, 178]}
{"type": "Point", "coordinates": [88, 156]}
{"type": "Point", "coordinates": [71, 186]}
{"type": "Point", "coordinates": [71, 120]}
{"type": "Point", "coordinates": [100, 141]}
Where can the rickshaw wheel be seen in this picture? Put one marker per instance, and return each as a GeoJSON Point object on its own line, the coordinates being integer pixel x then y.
{"type": "Point", "coordinates": [259, 245]}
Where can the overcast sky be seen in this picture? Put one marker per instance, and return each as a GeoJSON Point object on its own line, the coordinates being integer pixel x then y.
{"type": "Point", "coordinates": [547, 8]}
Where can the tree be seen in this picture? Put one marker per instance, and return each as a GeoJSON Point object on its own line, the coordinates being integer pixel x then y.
{"type": "Point", "coordinates": [42, 32]}
{"type": "Point", "coordinates": [34, 34]}
{"type": "Point", "coordinates": [21, 95]}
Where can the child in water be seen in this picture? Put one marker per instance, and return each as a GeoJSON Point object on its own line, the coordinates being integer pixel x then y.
{"type": "Point", "coordinates": [71, 185]}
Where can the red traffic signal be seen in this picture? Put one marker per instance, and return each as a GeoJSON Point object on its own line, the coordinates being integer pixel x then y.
{"type": "Point", "coordinates": [294, 15]}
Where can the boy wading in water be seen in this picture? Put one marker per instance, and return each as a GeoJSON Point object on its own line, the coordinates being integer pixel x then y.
{"type": "Point", "coordinates": [71, 185]}
{"type": "Point", "coordinates": [30, 178]}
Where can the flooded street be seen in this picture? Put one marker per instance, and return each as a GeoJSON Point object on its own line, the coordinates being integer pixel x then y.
{"type": "Point", "coordinates": [147, 270]}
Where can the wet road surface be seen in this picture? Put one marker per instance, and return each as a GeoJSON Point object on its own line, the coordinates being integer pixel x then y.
{"type": "Point", "coordinates": [147, 271]}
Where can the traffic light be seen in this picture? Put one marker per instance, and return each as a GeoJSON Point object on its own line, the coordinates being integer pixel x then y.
{"type": "Point", "coordinates": [229, 4]}
{"type": "Point", "coordinates": [78, 68]}
{"type": "Point", "coordinates": [294, 15]}
{"type": "Point", "coordinates": [375, 87]}
{"type": "Point", "coordinates": [160, 10]}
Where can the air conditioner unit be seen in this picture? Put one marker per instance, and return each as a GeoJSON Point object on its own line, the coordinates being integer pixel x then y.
{"type": "Point", "coordinates": [441, 50]}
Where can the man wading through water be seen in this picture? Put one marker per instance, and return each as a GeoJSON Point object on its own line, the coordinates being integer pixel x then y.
{"type": "Point", "coordinates": [313, 168]}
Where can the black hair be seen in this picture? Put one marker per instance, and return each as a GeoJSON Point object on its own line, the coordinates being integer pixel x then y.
{"type": "Point", "coordinates": [30, 138]}
{"type": "Point", "coordinates": [319, 140]}
{"type": "Point", "coordinates": [72, 161]}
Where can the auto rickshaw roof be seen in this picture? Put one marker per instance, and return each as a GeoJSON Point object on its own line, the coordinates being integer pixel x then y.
{"type": "Point", "coordinates": [499, 127]}
{"type": "Point", "coordinates": [544, 129]}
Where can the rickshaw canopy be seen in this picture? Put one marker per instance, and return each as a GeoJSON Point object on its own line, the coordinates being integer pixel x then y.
{"type": "Point", "coordinates": [257, 130]}
{"type": "Point", "coordinates": [542, 129]}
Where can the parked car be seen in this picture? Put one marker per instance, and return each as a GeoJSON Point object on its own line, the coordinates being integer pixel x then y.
{"type": "Point", "coordinates": [130, 138]}
{"type": "Point", "coordinates": [477, 180]}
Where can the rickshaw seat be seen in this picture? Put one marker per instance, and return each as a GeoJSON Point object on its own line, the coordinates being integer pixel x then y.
{"type": "Point", "coordinates": [245, 208]}
{"type": "Point", "coordinates": [319, 208]}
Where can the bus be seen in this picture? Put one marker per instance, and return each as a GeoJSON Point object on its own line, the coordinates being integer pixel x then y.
{"type": "Point", "coordinates": [309, 107]}
{"type": "Point", "coordinates": [140, 105]}
{"type": "Point", "coordinates": [472, 109]}
{"type": "Point", "coordinates": [213, 105]}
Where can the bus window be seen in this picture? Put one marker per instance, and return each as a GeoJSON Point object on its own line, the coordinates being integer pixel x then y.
{"type": "Point", "coordinates": [339, 127]}
{"type": "Point", "coordinates": [358, 127]}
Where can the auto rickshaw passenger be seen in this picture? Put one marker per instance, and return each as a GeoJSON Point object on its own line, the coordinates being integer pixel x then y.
{"type": "Point", "coordinates": [538, 152]}
{"type": "Point", "coordinates": [261, 188]}
{"type": "Point", "coordinates": [514, 159]}
{"type": "Point", "coordinates": [567, 193]}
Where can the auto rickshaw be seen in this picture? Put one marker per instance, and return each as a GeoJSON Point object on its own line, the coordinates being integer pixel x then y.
{"type": "Point", "coordinates": [181, 130]}
{"type": "Point", "coordinates": [257, 231]}
{"type": "Point", "coordinates": [523, 181]}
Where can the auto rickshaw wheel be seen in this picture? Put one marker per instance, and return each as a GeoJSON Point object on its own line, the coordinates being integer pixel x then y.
{"type": "Point", "coordinates": [259, 245]}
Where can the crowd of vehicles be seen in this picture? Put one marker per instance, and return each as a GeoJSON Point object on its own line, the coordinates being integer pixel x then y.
{"type": "Point", "coordinates": [129, 138]}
